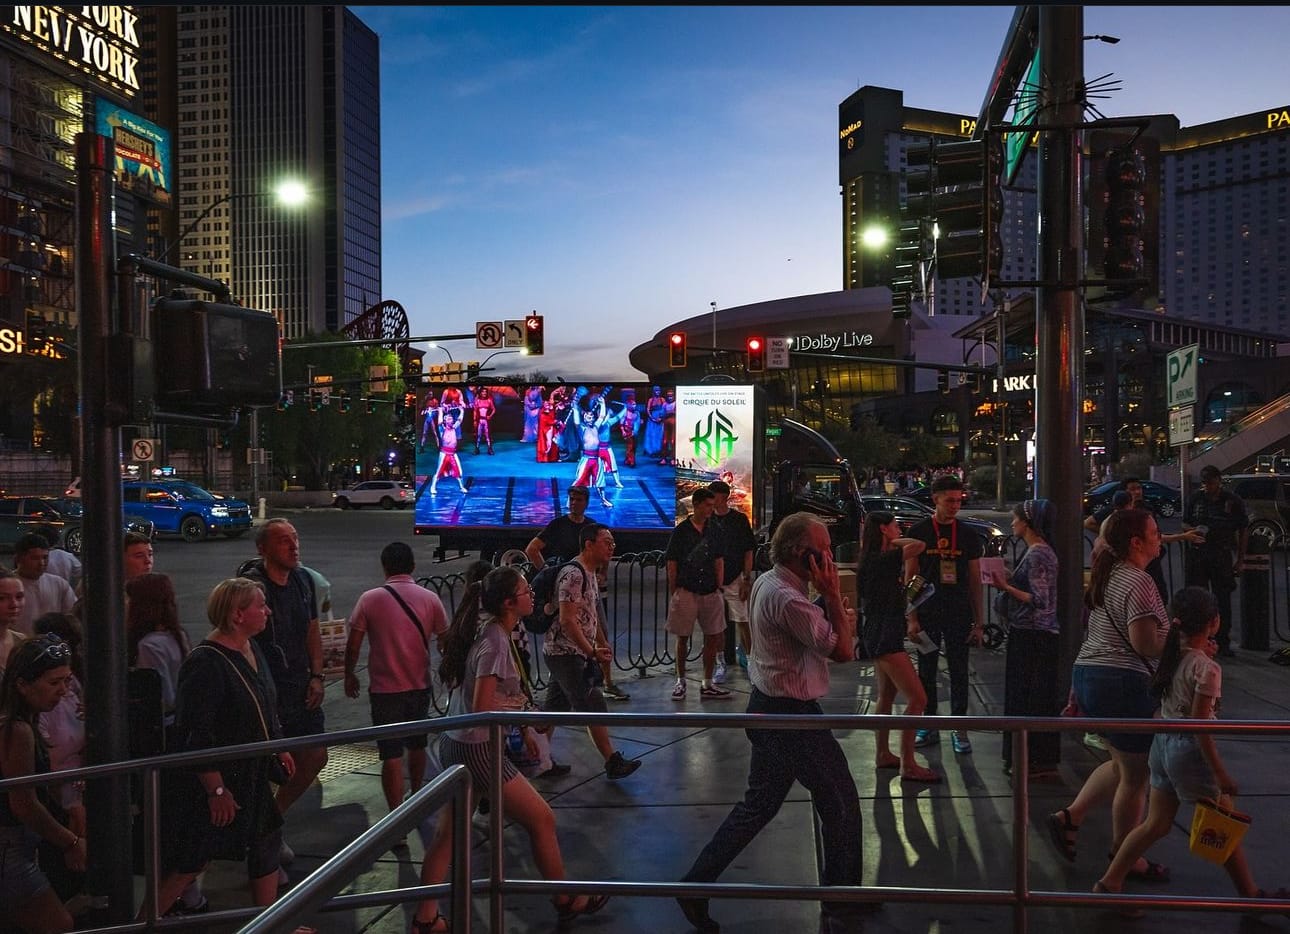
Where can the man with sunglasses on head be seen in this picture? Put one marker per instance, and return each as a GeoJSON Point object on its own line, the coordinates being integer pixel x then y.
{"type": "Point", "coordinates": [292, 643]}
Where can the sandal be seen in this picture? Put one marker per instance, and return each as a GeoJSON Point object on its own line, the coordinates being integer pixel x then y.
{"type": "Point", "coordinates": [1101, 889]}
{"type": "Point", "coordinates": [431, 926]}
{"type": "Point", "coordinates": [889, 761]}
{"type": "Point", "coordinates": [1063, 832]}
{"type": "Point", "coordinates": [568, 909]}
{"type": "Point", "coordinates": [1154, 874]}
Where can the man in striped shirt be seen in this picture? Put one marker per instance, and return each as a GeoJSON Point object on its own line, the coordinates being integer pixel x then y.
{"type": "Point", "coordinates": [795, 641]}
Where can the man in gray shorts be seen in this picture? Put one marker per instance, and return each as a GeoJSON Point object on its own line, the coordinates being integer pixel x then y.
{"type": "Point", "coordinates": [695, 570]}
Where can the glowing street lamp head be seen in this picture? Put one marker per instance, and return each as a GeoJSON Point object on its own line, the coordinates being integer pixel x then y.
{"type": "Point", "coordinates": [292, 192]}
{"type": "Point", "coordinates": [874, 238]}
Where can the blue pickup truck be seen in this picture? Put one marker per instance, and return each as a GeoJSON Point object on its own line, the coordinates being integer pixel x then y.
{"type": "Point", "coordinates": [177, 507]}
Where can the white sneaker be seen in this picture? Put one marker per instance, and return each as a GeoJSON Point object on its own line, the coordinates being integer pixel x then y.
{"type": "Point", "coordinates": [286, 855]}
{"type": "Point", "coordinates": [719, 675]}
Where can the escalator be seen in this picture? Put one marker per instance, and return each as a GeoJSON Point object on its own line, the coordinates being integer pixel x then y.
{"type": "Point", "coordinates": [1264, 432]}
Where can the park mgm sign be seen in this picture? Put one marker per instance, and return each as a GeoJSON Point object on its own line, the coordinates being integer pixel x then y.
{"type": "Point", "coordinates": [101, 42]}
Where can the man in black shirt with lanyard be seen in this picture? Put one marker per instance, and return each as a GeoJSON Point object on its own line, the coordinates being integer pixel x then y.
{"type": "Point", "coordinates": [953, 614]}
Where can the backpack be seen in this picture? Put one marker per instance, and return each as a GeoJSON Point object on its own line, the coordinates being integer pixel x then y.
{"type": "Point", "coordinates": [543, 584]}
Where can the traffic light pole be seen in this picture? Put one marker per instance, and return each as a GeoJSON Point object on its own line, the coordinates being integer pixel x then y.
{"type": "Point", "coordinates": [107, 800]}
{"type": "Point", "coordinates": [1060, 314]}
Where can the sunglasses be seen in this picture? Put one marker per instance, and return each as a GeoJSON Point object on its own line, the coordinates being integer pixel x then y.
{"type": "Point", "coordinates": [55, 649]}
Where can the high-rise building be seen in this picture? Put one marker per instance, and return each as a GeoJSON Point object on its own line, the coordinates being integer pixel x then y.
{"type": "Point", "coordinates": [1224, 223]}
{"type": "Point", "coordinates": [265, 95]}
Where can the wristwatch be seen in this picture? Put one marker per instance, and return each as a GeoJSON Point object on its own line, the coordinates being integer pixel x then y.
{"type": "Point", "coordinates": [317, 675]}
{"type": "Point", "coordinates": [217, 793]}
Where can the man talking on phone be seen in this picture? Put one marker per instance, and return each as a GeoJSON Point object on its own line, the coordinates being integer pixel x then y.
{"type": "Point", "coordinates": [795, 640]}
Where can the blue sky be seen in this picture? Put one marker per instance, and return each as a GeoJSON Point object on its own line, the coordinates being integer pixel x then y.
{"type": "Point", "coordinates": [619, 168]}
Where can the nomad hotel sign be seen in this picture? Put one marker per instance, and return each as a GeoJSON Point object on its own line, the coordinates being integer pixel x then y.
{"type": "Point", "coordinates": [99, 41]}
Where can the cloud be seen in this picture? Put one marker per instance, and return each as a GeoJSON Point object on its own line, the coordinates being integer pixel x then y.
{"type": "Point", "coordinates": [404, 208]}
{"type": "Point", "coordinates": [557, 58]}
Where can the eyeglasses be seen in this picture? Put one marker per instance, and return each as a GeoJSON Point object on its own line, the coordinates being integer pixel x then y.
{"type": "Point", "coordinates": [520, 593]}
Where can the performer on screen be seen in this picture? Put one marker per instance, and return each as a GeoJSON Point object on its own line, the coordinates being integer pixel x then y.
{"type": "Point", "coordinates": [532, 414]}
{"type": "Point", "coordinates": [668, 450]}
{"type": "Point", "coordinates": [548, 437]}
{"type": "Point", "coordinates": [655, 406]}
{"type": "Point", "coordinates": [605, 423]}
{"type": "Point", "coordinates": [430, 420]}
{"type": "Point", "coordinates": [449, 437]}
{"type": "Point", "coordinates": [484, 409]}
{"type": "Point", "coordinates": [590, 473]}
{"type": "Point", "coordinates": [628, 425]}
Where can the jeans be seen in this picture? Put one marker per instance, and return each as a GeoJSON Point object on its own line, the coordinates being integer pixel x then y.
{"type": "Point", "coordinates": [1030, 690]}
{"type": "Point", "coordinates": [780, 757]}
{"type": "Point", "coordinates": [952, 638]}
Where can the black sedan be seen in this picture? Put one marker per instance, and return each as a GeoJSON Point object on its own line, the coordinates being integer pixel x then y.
{"type": "Point", "coordinates": [1161, 499]}
{"type": "Point", "coordinates": [908, 511]}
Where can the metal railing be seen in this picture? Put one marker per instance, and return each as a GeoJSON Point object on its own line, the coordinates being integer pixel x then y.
{"type": "Point", "coordinates": [1020, 896]}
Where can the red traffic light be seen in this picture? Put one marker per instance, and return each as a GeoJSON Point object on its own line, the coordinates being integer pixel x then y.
{"type": "Point", "coordinates": [533, 335]}
{"type": "Point", "coordinates": [756, 355]}
{"type": "Point", "coordinates": [676, 350]}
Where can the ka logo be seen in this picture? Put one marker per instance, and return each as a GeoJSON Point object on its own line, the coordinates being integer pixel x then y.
{"type": "Point", "coordinates": [714, 438]}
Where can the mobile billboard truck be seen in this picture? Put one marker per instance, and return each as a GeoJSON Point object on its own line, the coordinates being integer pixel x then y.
{"type": "Point", "coordinates": [494, 462]}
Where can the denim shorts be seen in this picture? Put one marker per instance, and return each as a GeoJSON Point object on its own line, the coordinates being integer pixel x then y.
{"type": "Point", "coordinates": [1179, 768]}
{"type": "Point", "coordinates": [1119, 693]}
{"type": "Point", "coordinates": [20, 878]}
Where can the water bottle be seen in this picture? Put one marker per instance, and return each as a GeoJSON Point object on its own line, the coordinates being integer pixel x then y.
{"type": "Point", "coordinates": [514, 741]}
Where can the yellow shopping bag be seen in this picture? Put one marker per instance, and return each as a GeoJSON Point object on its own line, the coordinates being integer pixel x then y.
{"type": "Point", "coordinates": [1216, 830]}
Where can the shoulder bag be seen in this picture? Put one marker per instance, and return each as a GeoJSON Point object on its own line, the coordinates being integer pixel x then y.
{"type": "Point", "coordinates": [277, 773]}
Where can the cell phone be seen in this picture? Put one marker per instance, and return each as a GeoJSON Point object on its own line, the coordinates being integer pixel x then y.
{"type": "Point", "coordinates": [809, 553]}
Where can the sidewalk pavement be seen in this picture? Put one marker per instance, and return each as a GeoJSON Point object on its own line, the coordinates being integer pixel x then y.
{"type": "Point", "coordinates": [650, 826]}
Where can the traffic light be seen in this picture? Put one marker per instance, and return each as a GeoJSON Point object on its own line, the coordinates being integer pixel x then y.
{"type": "Point", "coordinates": [344, 401]}
{"type": "Point", "coordinates": [412, 367]}
{"type": "Point", "coordinates": [316, 401]}
{"type": "Point", "coordinates": [1124, 211]}
{"type": "Point", "coordinates": [371, 406]}
{"type": "Point", "coordinates": [756, 355]}
{"type": "Point", "coordinates": [956, 190]}
{"type": "Point", "coordinates": [472, 370]}
{"type": "Point", "coordinates": [210, 355]}
{"type": "Point", "coordinates": [533, 335]}
{"type": "Point", "coordinates": [676, 350]}
{"type": "Point", "coordinates": [943, 382]}
{"type": "Point", "coordinates": [907, 276]}
{"type": "Point", "coordinates": [285, 400]}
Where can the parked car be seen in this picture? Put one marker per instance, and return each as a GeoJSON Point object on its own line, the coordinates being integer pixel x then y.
{"type": "Point", "coordinates": [1267, 503]}
{"type": "Point", "coordinates": [178, 507]}
{"type": "Point", "coordinates": [384, 493]}
{"type": "Point", "coordinates": [1161, 499]}
{"type": "Point", "coordinates": [58, 517]}
{"type": "Point", "coordinates": [909, 511]}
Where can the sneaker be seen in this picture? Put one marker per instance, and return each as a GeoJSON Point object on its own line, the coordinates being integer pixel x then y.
{"type": "Point", "coordinates": [557, 770]}
{"type": "Point", "coordinates": [741, 657]}
{"type": "Point", "coordinates": [617, 767]}
{"type": "Point", "coordinates": [926, 738]}
{"type": "Point", "coordinates": [1093, 741]}
{"type": "Point", "coordinates": [719, 675]}
{"type": "Point", "coordinates": [712, 692]}
{"type": "Point", "coordinates": [678, 692]}
{"type": "Point", "coordinates": [614, 692]}
{"type": "Point", "coordinates": [959, 740]}
{"type": "Point", "coordinates": [286, 855]}
{"type": "Point", "coordinates": [283, 878]}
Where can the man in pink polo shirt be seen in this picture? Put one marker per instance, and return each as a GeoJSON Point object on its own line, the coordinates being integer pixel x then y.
{"type": "Point", "coordinates": [400, 617]}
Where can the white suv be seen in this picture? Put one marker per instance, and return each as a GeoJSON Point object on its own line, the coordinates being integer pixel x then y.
{"type": "Point", "coordinates": [384, 493]}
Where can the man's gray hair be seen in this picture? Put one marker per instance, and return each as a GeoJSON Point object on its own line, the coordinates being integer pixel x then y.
{"type": "Point", "coordinates": [792, 537]}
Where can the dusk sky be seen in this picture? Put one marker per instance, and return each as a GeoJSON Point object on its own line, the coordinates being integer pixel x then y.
{"type": "Point", "coordinates": [619, 168]}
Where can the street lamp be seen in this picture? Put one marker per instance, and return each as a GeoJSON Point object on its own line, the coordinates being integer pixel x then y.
{"type": "Point", "coordinates": [289, 193]}
{"type": "Point", "coordinates": [433, 346]}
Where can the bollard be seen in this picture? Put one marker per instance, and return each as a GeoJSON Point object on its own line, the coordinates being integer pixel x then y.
{"type": "Point", "coordinates": [1256, 577]}
{"type": "Point", "coordinates": [262, 509]}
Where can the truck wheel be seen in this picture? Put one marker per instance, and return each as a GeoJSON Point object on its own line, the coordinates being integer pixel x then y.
{"type": "Point", "coordinates": [387, 502]}
{"type": "Point", "coordinates": [341, 503]}
{"type": "Point", "coordinates": [193, 528]}
{"type": "Point", "coordinates": [1167, 508]}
